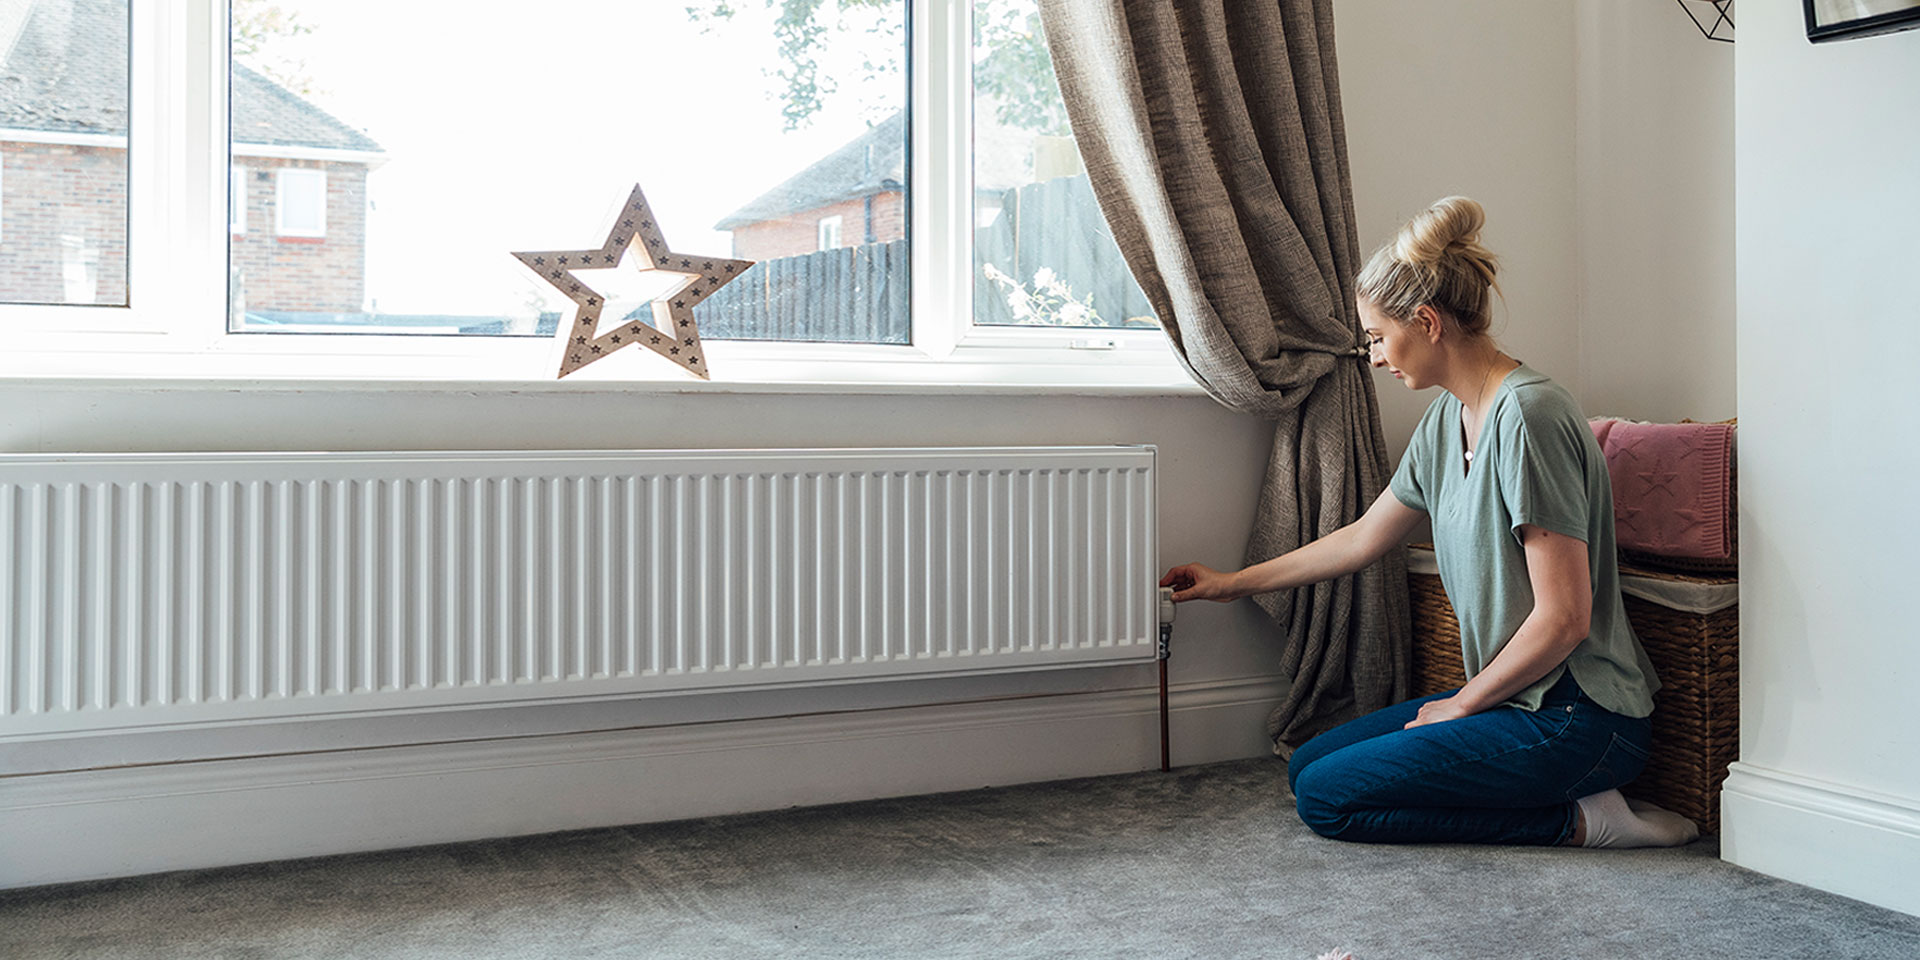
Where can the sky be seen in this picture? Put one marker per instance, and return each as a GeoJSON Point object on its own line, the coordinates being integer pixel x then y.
{"type": "Point", "coordinates": [515, 127]}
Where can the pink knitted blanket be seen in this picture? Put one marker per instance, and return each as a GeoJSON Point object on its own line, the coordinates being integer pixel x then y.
{"type": "Point", "coordinates": [1671, 486]}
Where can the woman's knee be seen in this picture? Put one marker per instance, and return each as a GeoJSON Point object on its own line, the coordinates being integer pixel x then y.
{"type": "Point", "coordinates": [1305, 756]}
{"type": "Point", "coordinates": [1319, 802]}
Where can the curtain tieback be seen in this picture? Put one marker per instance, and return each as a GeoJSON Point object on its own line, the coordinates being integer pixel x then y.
{"type": "Point", "coordinates": [1361, 352]}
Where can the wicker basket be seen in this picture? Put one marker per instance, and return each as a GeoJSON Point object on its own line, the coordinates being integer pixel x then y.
{"type": "Point", "coordinates": [1696, 715]}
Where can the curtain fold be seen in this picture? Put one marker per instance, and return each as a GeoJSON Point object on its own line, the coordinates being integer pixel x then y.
{"type": "Point", "coordinates": [1211, 131]}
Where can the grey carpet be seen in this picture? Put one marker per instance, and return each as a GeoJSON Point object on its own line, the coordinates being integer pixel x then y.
{"type": "Point", "coordinates": [1207, 862]}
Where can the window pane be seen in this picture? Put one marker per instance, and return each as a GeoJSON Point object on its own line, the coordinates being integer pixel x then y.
{"type": "Point", "coordinates": [63, 153]}
{"type": "Point", "coordinates": [1043, 255]}
{"type": "Point", "coordinates": [300, 205]}
{"type": "Point", "coordinates": [384, 194]}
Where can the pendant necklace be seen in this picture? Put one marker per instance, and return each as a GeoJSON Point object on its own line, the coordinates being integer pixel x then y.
{"type": "Point", "coordinates": [1483, 390]}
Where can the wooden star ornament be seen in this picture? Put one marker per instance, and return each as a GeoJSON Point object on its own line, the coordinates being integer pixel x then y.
{"type": "Point", "coordinates": [672, 332]}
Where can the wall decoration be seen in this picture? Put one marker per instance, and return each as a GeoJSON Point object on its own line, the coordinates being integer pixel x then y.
{"type": "Point", "coordinates": [1722, 17]}
{"type": "Point", "coordinates": [1847, 19]}
{"type": "Point", "coordinates": [672, 332]}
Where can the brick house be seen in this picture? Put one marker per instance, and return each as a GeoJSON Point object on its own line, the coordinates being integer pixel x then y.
{"type": "Point", "coordinates": [856, 195]}
{"type": "Point", "coordinates": [297, 196]}
{"type": "Point", "coordinates": [298, 204]}
{"type": "Point", "coordinates": [852, 196]}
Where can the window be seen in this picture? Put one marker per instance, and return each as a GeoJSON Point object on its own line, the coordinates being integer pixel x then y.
{"type": "Point", "coordinates": [63, 144]}
{"type": "Point", "coordinates": [237, 199]}
{"type": "Point", "coordinates": [841, 165]}
{"type": "Point", "coordinates": [1042, 252]}
{"type": "Point", "coordinates": [300, 203]}
{"type": "Point", "coordinates": [738, 161]}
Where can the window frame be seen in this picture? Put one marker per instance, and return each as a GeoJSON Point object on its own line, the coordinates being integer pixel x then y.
{"type": "Point", "coordinates": [826, 231]}
{"type": "Point", "coordinates": [175, 324]}
{"type": "Point", "coordinates": [283, 177]}
{"type": "Point", "coordinates": [237, 199]}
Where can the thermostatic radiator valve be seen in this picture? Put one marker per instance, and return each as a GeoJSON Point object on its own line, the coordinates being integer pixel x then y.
{"type": "Point", "coordinates": [1164, 651]}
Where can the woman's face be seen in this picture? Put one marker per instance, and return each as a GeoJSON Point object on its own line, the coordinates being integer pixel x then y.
{"type": "Point", "coordinates": [1398, 347]}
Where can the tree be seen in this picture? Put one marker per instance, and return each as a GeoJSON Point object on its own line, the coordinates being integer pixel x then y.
{"type": "Point", "coordinates": [1017, 70]}
{"type": "Point", "coordinates": [256, 24]}
{"type": "Point", "coordinates": [1011, 64]}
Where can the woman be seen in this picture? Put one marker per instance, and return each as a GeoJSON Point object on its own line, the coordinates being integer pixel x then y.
{"type": "Point", "coordinates": [1554, 715]}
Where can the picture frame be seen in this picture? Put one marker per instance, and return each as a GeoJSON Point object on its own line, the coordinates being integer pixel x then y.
{"type": "Point", "coordinates": [1829, 20]}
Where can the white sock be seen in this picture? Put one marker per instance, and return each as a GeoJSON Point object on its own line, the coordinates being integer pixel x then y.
{"type": "Point", "coordinates": [1615, 821]}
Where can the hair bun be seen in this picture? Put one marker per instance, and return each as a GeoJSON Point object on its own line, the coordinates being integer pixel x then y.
{"type": "Point", "coordinates": [1451, 224]}
{"type": "Point", "coordinates": [1437, 259]}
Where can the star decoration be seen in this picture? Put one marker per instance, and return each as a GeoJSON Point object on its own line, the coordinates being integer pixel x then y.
{"type": "Point", "coordinates": [672, 308]}
{"type": "Point", "coordinates": [1653, 480]}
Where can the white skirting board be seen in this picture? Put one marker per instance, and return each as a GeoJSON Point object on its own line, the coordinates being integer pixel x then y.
{"type": "Point", "coordinates": [85, 825]}
{"type": "Point", "coordinates": [1836, 838]}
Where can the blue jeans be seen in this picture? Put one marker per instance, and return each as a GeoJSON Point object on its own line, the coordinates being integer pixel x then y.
{"type": "Point", "coordinates": [1504, 775]}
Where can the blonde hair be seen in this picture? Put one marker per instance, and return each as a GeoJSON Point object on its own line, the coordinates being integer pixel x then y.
{"type": "Point", "coordinates": [1435, 259]}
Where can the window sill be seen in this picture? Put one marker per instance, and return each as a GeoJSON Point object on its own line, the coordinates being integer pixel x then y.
{"type": "Point", "coordinates": [562, 387]}
{"type": "Point", "coordinates": [513, 368]}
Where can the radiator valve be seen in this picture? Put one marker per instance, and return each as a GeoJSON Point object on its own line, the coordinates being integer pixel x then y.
{"type": "Point", "coordinates": [1166, 622]}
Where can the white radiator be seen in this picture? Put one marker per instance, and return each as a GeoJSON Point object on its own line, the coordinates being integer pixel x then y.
{"type": "Point", "coordinates": [149, 589]}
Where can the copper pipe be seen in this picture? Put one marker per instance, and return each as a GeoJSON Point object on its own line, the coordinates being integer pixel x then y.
{"type": "Point", "coordinates": [1165, 766]}
{"type": "Point", "coordinates": [1165, 650]}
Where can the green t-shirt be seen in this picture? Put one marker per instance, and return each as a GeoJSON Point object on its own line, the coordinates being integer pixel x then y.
{"type": "Point", "coordinates": [1537, 463]}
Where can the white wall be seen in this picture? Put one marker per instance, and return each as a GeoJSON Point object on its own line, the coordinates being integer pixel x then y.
{"type": "Point", "coordinates": [1654, 198]}
{"type": "Point", "coordinates": [1827, 790]}
{"type": "Point", "coordinates": [1598, 134]}
{"type": "Point", "coordinates": [1472, 97]}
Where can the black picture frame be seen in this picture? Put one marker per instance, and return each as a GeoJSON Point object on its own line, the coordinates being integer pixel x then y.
{"type": "Point", "coordinates": [1824, 25]}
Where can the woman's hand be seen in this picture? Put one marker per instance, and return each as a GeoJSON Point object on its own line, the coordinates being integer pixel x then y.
{"type": "Point", "coordinates": [1197, 581]}
{"type": "Point", "coordinates": [1439, 711]}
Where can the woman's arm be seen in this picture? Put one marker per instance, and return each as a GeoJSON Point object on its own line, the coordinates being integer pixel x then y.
{"type": "Point", "coordinates": [1341, 552]}
{"type": "Point", "coordinates": [1561, 618]}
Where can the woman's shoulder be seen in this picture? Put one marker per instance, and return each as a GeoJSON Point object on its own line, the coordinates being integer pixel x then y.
{"type": "Point", "coordinates": [1436, 413]}
{"type": "Point", "coordinates": [1539, 404]}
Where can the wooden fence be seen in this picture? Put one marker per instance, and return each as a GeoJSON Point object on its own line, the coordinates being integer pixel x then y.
{"type": "Point", "coordinates": [860, 294]}
{"type": "Point", "coordinates": [844, 295]}
{"type": "Point", "coordinates": [1056, 224]}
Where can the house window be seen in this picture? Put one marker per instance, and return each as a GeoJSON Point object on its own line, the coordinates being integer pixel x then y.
{"type": "Point", "coordinates": [838, 152]}
{"type": "Point", "coordinates": [300, 203]}
{"type": "Point", "coordinates": [236, 199]}
{"type": "Point", "coordinates": [63, 144]}
{"type": "Point", "coordinates": [79, 269]}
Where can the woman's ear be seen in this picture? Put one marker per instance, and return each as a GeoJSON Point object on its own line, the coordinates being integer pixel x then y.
{"type": "Point", "coordinates": [1430, 322]}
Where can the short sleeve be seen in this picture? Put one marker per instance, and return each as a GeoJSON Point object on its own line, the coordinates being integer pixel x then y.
{"type": "Point", "coordinates": [1543, 476]}
{"type": "Point", "coordinates": [1408, 483]}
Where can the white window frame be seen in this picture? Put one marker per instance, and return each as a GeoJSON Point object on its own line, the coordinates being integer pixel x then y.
{"type": "Point", "coordinates": [237, 199]}
{"type": "Point", "coordinates": [287, 188]}
{"type": "Point", "coordinates": [174, 325]}
{"type": "Point", "coordinates": [827, 231]}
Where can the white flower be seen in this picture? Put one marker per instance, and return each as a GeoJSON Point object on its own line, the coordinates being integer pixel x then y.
{"type": "Point", "coordinates": [1020, 304]}
{"type": "Point", "coordinates": [1073, 314]}
{"type": "Point", "coordinates": [995, 274]}
{"type": "Point", "coordinates": [1045, 280]}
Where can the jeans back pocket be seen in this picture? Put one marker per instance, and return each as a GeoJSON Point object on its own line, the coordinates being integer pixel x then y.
{"type": "Point", "coordinates": [1619, 763]}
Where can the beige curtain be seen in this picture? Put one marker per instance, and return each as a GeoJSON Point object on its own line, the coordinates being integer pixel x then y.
{"type": "Point", "coordinates": [1212, 133]}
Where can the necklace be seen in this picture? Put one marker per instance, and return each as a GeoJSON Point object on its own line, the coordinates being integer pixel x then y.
{"type": "Point", "coordinates": [1482, 394]}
